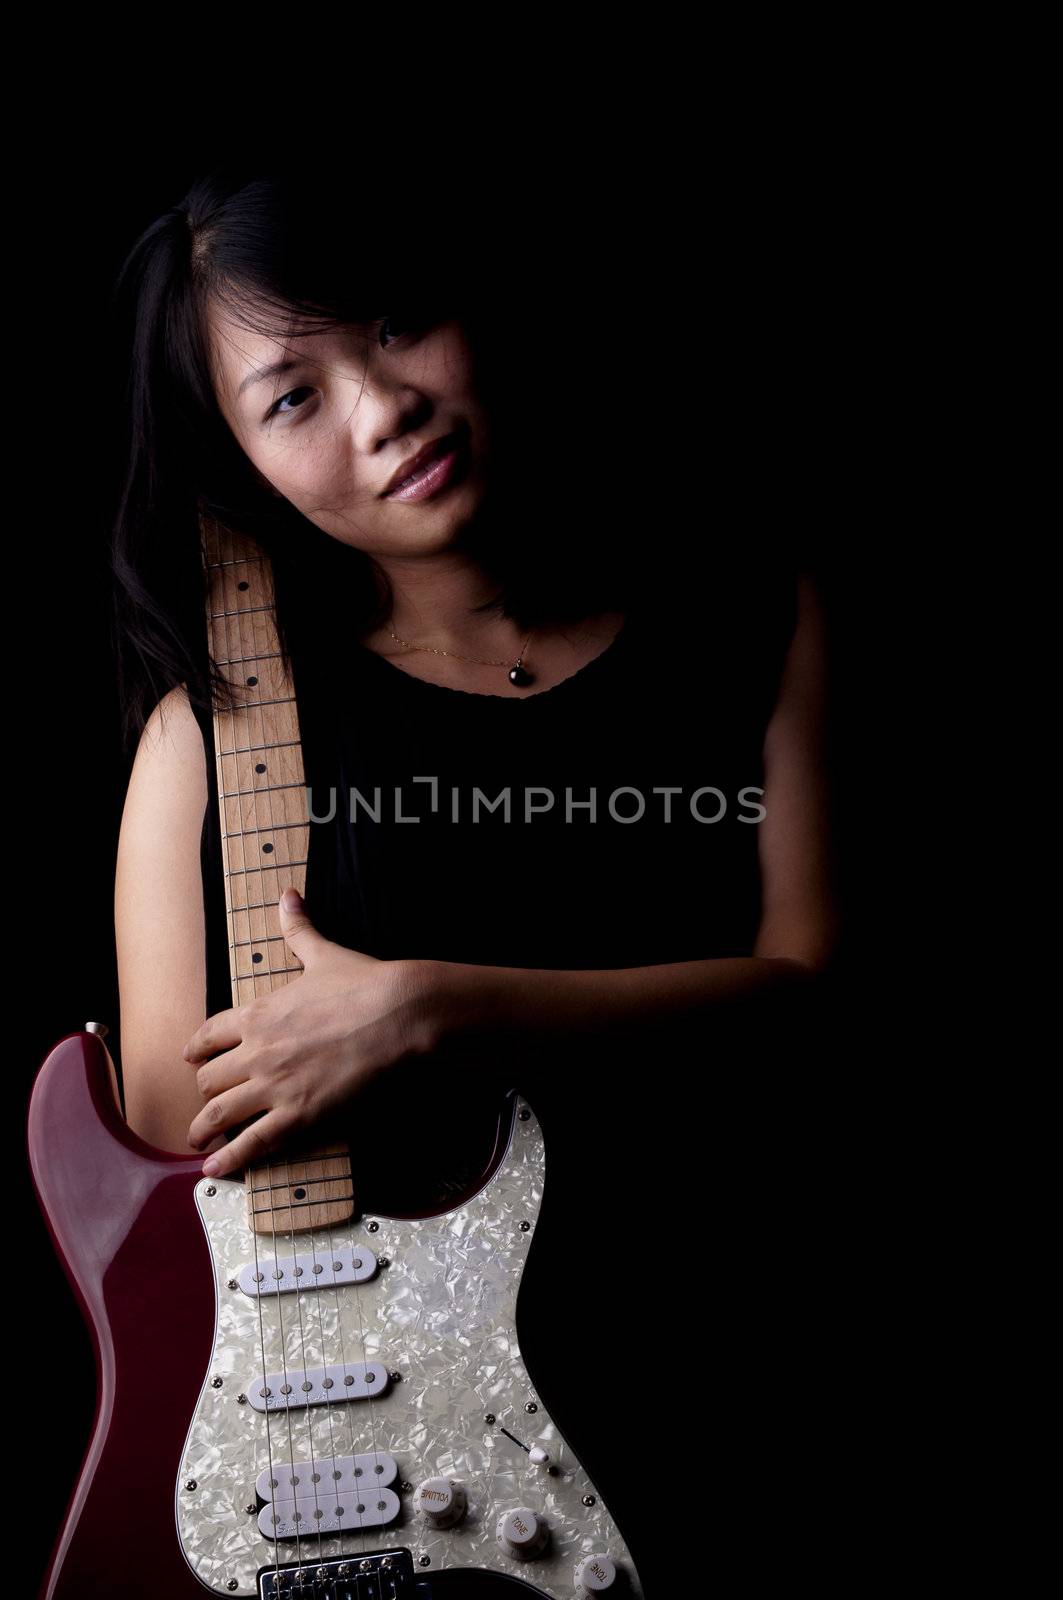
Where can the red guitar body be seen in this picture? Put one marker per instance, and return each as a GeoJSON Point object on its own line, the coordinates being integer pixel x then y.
{"type": "Point", "coordinates": [125, 1226]}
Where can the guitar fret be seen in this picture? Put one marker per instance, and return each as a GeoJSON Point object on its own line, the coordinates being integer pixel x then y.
{"type": "Point", "coordinates": [237, 561]}
{"type": "Point", "coordinates": [267, 866]}
{"type": "Point", "coordinates": [233, 661]}
{"type": "Point", "coordinates": [248, 749]}
{"type": "Point", "coordinates": [266, 788]}
{"type": "Point", "coordinates": [266, 972]}
{"type": "Point", "coordinates": [299, 1205]}
{"type": "Point", "coordinates": [256, 905]}
{"type": "Point", "coordinates": [246, 944]}
{"type": "Point", "coordinates": [254, 705]}
{"type": "Point", "coordinates": [304, 1183]}
{"type": "Point", "coordinates": [241, 611]}
{"type": "Point", "coordinates": [273, 827]}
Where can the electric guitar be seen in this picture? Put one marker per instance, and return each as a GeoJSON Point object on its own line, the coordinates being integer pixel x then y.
{"type": "Point", "coordinates": [309, 1380]}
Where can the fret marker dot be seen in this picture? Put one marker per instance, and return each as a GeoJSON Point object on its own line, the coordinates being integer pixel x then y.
{"type": "Point", "coordinates": [267, 848]}
{"type": "Point", "coordinates": [257, 956]}
{"type": "Point", "coordinates": [251, 682]}
{"type": "Point", "coordinates": [300, 1194]}
{"type": "Point", "coordinates": [260, 766]}
{"type": "Point", "coordinates": [243, 584]}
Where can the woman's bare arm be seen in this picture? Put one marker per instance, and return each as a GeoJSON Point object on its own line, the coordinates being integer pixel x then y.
{"type": "Point", "coordinates": [800, 915]}
{"type": "Point", "coordinates": [159, 932]}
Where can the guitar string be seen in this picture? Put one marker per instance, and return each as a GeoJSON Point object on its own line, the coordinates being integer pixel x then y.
{"type": "Point", "coordinates": [286, 1388]}
{"type": "Point", "coordinates": [314, 1458]}
{"type": "Point", "coordinates": [362, 1343]}
{"type": "Point", "coordinates": [312, 1462]}
{"type": "Point", "coordinates": [227, 574]}
{"type": "Point", "coordinates": [351, 1408]}
{"type": "Point", "coordinates": [275, 1481]}
{"type": "Point", "coordinates": [249, 651]}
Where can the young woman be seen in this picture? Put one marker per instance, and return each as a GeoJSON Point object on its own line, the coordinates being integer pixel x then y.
{"type": "Point", "coordinates": [260, 392]}
{"type": "Point", "coordinates": [644, 925]}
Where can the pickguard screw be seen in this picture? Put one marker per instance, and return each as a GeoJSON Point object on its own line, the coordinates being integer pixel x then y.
{"type": "Point", "coordinates": [384, 1262]}
{"type": "Point", "coordinates": [374, 1227]}
{"type": "Point", "coordinates": [210, 1189]}
{"type": "Point", "coordinates": [406, 1488]}
{"type": "Point", "coordinates": [523, 1113]}
{"type": "Point", "coordinates": [588, 1500]}
{"type": "Point", "coordinates": [531, 1406]}
{"type": "Point", "coordinates": [191, 1484]}
{"type": "Point", "coordinates": [490, 1417]}
{"type": "Point", "coordinates": [215, 1383]}
{"type": "Point", "coordinates": [241, 1399]}
{"type": "Point", "coordinates": [251, 1509]}
{"type": "Point", "coordinates": [424, 1561]}
{"type": "Point", "coordinates": [396, 1377]}
{"type": "Point", "coordinates": [524, 1227]}
{"type": "Point", "coordinates": [232, 1583]}
{"type": "Point", "coordinates": [233, 1284]}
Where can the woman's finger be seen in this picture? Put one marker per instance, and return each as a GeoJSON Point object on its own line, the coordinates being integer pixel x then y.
{"type": "Point", "coordinates": [223, 1072]}
{"type": "Point", "coordinates": [228, 1108]}
{"type": "Point", "coordinates": [219, 1032]}
{"type": "Point", "coordinates": [254, 1144]}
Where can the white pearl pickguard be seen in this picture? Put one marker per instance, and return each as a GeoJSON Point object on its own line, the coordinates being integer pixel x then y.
{"type": "Point", "coordinates": [441, 1315]}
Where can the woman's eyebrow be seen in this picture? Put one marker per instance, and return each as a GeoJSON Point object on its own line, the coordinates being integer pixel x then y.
{"type": "Point", "coordinates": [274, 370]}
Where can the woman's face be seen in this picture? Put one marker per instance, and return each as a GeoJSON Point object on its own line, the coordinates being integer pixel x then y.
{"type": "Point", "coordinates": [350, 408]}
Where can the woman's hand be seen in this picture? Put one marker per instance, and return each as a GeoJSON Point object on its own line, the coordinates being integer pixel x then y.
{"type": "Point", "coordinates": [304, 1049]}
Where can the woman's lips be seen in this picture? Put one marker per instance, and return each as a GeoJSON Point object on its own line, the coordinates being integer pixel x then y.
{"type": "Point", "coordinates": [439, 473]}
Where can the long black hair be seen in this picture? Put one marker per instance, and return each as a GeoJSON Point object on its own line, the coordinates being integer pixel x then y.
{"type": "Point", "coordinates": [280, 250]}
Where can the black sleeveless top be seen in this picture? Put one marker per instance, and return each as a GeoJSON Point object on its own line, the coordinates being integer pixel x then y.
{"type": "Point", "coordinates": [679, 701]}
{"type": "Point", "coordinates": [536, 831]}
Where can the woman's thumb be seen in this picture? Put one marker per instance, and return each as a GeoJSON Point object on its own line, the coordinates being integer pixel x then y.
{"type": "Point", "coordinates": [296, 926]}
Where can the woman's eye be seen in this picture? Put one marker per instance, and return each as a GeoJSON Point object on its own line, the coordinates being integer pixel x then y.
{"type": "Point", "coordinates": [275, 408]}
{"type": "Point", "coordinates": [389, 325]}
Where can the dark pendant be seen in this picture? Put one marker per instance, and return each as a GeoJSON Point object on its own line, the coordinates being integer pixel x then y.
{"type": "Point", "coordinates": [519, 676]}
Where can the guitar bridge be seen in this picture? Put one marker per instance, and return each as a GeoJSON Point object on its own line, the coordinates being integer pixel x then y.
{"type": "Point", "coordinates": [382, 1575]}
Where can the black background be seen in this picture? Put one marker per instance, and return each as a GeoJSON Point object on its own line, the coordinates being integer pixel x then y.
{"type": "Point", "coordinates": [796, 353]}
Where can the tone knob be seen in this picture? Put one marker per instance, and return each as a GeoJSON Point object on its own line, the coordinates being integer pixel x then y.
{"type": "Point", "coordinates": [441, 1502]}
{"type": "Point", "coordinates": [595, 1573]}
{"type": "Point", "coordinates": [521, 1533]}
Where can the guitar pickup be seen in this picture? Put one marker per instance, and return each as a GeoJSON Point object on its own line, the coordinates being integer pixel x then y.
{"type": "Point", "coordinates": [328, 1512]}
{"type": "Point", "coordinates": [287, 1480]}
{"type": "Point", "coordinates": [318, 1386]}
{"type": "Point", "coordinates": [304, 1272]}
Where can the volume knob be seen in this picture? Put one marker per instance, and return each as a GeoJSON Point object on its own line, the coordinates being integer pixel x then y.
{"type": "Point", "coordinates": [594, 1573]}
{"type": "Point", "coordinates": [441, 1502]}
{"type": "Point", "coordinates": [521, 1533]}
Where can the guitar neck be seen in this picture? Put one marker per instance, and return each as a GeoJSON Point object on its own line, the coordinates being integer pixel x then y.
{"type": "Point", "coordinates": [265, 835]}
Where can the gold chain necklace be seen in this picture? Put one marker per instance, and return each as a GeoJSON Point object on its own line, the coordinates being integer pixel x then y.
{"type": "Point", "coordinates": [518, 674]}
